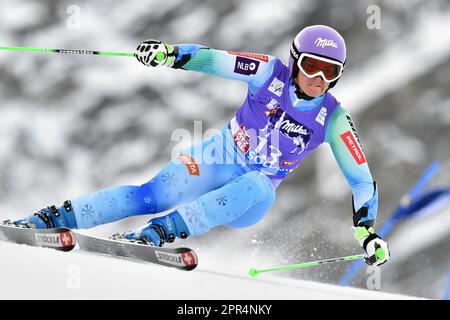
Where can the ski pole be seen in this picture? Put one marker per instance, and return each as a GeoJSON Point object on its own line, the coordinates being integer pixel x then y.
{"type": "Point", "coordinates": [254, 272]}
{"type": "Point", "coordinates": [73, 51]}
{"type": "Point", "coordinates": [403, 211]}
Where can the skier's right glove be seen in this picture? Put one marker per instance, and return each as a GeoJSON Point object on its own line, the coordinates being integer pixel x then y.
{"type": "Point", "coordinates": [376, 248]}
{"type": "Point", "coordinates": [154, 53]}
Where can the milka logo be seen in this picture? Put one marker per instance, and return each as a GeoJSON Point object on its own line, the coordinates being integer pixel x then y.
{"type": "Point", "coordinates": [289, 127]}
{"type": "Point", "coordinates": [325, 43]}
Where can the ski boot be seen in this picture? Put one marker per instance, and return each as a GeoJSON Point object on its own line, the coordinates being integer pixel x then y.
{"type": "Point", "coordinates": [50, 217]}
{"type": "Point", "coordinates": [159, 231]}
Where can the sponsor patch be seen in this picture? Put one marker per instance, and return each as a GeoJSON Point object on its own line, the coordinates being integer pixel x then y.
{"type": "Point", "coordinates": [291, 128]}
{"type": "Point", "coordinates": [188, 259]}
{"type": "Point", "coordinates": [321, 116]}
{"type": "Point", "coordinates": [276, 87]}
{"type": "Point", "coordinates": [246, 66]}
{"type": "Point", "coordinates": [288, 163]}
{"type": "Point", "coordinates": [353, 147]}
{"type": "Point", "coordinates": [190, 164]}
{"type": "Point", "coordinates": [242, 138]}
{"type": "Point", "coordinates": [257, 56]}
{"type": "Point", "coordinates": [66, 239]}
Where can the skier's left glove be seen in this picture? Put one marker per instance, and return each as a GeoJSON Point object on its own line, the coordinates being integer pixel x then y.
{"type": "Point", "coordinates": [154, 53]}
{"type": "Point", "coordinates": [376, 248]}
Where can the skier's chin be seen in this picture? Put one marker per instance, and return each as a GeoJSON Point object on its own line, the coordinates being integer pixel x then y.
{"type": "Point", "coordinates": [314, 90]}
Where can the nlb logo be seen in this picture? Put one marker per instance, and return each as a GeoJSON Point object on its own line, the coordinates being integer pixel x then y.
{"type": "Point", "coordinates": [246, 66]}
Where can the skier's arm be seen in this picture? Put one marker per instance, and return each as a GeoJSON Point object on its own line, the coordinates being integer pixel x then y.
{"type": "Point", "coordinates": [344, 141]}
{"type": "Point", "coordinates": [254, 69]}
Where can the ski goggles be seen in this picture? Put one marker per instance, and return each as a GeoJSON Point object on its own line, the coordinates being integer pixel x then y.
{"type": "Point", "coordinates": [313, 66]}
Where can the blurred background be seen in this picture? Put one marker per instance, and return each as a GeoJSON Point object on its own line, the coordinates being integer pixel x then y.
{"type": "Point", "coordinates": [73, 124]}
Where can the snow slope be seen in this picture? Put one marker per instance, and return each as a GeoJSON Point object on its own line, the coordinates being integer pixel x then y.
{"type": "Point", "coordinates": [29, 273]}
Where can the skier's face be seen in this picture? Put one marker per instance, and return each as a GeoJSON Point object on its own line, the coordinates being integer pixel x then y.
{"type": "Point", "coordinates": [312, 87]}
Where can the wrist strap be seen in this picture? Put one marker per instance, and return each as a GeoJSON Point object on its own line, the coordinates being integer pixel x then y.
{"type": "Point", "coordinates": [370, 238]}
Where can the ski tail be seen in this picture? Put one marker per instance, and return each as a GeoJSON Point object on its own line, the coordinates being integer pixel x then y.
{"type": "Point", "coordinates": [61, 239]}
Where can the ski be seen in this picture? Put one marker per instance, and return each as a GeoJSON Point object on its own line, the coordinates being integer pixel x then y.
{"type": "Point", "coordinates": [180, 258]}
{"type": "Point", "coordinates": [62, 239]}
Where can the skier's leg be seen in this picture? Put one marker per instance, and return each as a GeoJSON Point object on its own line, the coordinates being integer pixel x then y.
{"type": "Point", "coordinates": [172, 186]}
{"type": "Point", "coordinates": [199, 171]}
{"type": "Point", "coordinates": [253, 215]}
{"type": "Point", "coordinates": [228, 203]}
{"type": "Point", "coordinates": [247, 194]}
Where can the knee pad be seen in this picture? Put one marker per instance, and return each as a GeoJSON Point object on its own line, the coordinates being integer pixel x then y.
{"type": "Point", "coordinates": [262, 182]}
{"type": "Point", "coordinates": [260, 208]}
{"type": "Point", "coordinates": [146, 199]}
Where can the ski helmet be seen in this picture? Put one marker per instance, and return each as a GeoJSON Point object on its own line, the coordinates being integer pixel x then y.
{"type": "Point", "coordinates": [318, 40]}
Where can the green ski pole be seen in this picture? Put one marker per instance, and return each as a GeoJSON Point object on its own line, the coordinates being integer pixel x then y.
{"type": "Point", "coordinates": [72, 51]}
{"type": "Point", "coordinates": [254, 272]}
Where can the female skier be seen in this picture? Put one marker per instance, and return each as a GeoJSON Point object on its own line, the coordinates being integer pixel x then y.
{"type": "Point", "coordinates": [230, 179]}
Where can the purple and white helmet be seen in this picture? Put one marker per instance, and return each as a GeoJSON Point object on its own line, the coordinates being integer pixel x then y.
{"type": "Point", "coordinates": [319, 40]}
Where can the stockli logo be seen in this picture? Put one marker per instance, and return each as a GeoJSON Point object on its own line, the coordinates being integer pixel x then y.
{"type": "Point", "coordinates": [246, 66]}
